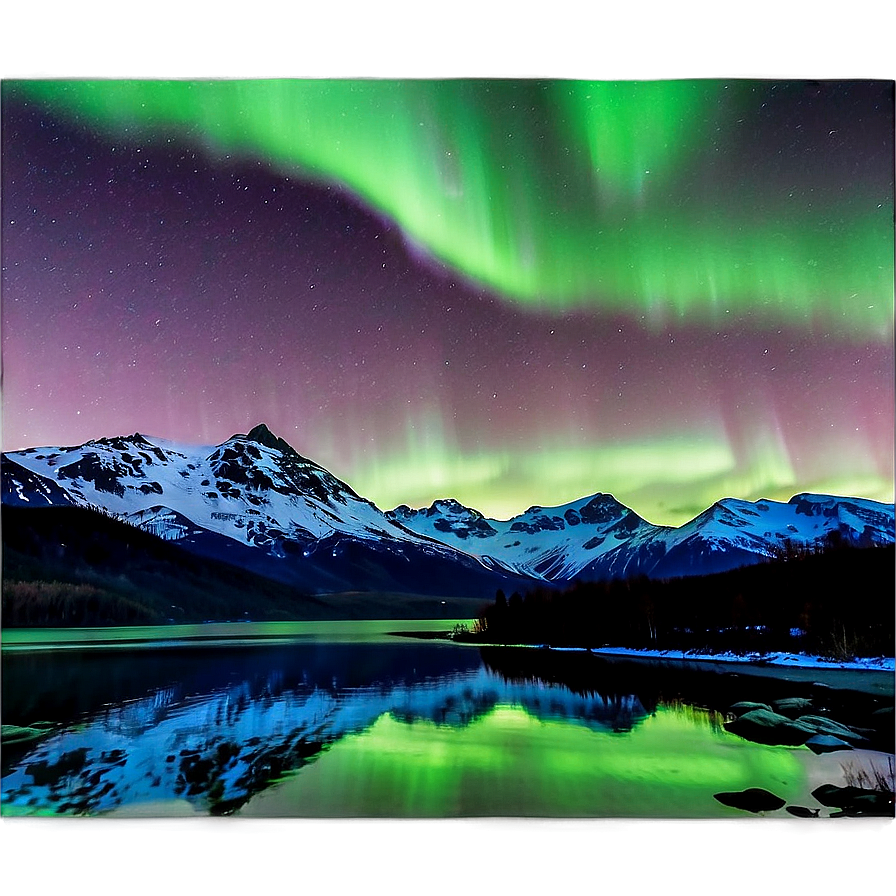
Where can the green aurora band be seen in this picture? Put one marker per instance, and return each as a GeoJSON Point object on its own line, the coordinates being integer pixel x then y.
{"type": "Point", "coordinates": [558, 195]}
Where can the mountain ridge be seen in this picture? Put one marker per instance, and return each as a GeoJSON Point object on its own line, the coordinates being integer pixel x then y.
{"type": "Point", "coordinates": [296, 522]}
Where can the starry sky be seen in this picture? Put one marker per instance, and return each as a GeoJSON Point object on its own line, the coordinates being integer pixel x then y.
{"type": "Point", "coordinates": [508, 292]}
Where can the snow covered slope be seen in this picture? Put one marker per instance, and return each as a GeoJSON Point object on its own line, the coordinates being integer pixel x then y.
{"type": "Point", "coordinates": [250, 488]}
{"type": "Point", "coordinates": [254, 500]}
{"type": "Point", "coordinates": [22, 488]}
{"type": "Point", "coordinates": [599, 538]}
{"type": "Point", "coordinates": [253, 488]}
{"type": "Point", "coordinates": [252, 492]}
{"type": "Point", "coordinates": [550, 544]}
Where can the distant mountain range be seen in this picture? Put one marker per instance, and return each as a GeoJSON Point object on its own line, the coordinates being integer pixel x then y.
{"type": "Point", "coordinates": [255, 503]}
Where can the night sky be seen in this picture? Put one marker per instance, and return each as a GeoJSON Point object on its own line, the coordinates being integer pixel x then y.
{"type": "Point", "coordinates": [507, 292]}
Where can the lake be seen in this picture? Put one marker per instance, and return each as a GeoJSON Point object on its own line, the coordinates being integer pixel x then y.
{"type": "Point", "coordinates": [346, 719]}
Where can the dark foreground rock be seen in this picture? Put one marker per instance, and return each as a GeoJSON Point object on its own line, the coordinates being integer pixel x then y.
{"type": "Point", "coordinates": [826, 743]}
{"type": "Point", "coordinates": [792, 707]}
{"type": "Point", "coordinates": [762, 726]}
{"type": "Point", "coordinates": [744, 706]}
{"type": "Point", "coordinates": [803, 812]}
{"type": "Point", "coordinates": [754, 799]}
{"type": "Point", "coordinates": [855, 801]}
{"type": "Point", "coordinates": [827, 726]}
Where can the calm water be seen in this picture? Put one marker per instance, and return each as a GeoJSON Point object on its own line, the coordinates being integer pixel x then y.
{"type": "Point", "coordinates": [343, 719]}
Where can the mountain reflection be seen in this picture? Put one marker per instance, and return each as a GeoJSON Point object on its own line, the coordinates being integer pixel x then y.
{"type": "Point", "coordinates": [228, 730]}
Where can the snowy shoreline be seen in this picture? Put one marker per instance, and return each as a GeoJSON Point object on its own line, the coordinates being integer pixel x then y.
{"type": "Point", "coordinates": [786, 660]}
{"type": "Point", "coordinates": [870, 675]}
{"type": "Point", "coordinates": [752, 660]}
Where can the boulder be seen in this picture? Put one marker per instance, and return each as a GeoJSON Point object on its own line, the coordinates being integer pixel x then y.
{"type": "Point", "coordinates": [738, 709]}
{"type": "Point", "coordinates": [792, 707]}
{"type": "Point", "coordinates": [803, 812]}
{"type": "Point", "coordinates": [762, 726]}
{"type": "Point", "coordinates": [822, 725]}
{"type": "Point", "coordinates": [873, 804]}
{"type": "Point", "coordinates": [855, 801]}
{"type": "Point", "coordinates": [754, 799]}
{"type": "Point", "coordinates": [826, 743]}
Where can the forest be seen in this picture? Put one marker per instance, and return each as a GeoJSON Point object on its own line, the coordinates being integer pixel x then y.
{"type": "Point", "coordinates": [833, 599]}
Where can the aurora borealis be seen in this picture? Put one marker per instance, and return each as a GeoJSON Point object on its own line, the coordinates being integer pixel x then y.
{"type": "Point", "coordinates": [506, 292]}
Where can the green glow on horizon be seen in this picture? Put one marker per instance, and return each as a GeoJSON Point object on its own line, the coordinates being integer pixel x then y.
{"type": "Point", "coordinates": [667, 481]}
{"type": "Point", "coordinates": [526, 478]}
{"type": "Point", "coordinates": [557, 195]}
{"type": "Point", "coordinates": [511, 763]}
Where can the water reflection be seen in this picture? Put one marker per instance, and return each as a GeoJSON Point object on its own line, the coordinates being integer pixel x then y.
{"type": "Point", "coordinates": [217, 749]}
{"type": "Point", "coordinates": [391, 727]}
{"type": "Point", "coordinates": [509, 762]}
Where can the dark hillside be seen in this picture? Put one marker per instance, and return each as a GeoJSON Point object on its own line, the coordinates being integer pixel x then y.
{"type": "Point", "coordinates": [70, 566]}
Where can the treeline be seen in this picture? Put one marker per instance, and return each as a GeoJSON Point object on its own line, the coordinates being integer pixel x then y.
{"type": "Point", "coordinates": [37, 604]}
{"type": "Point", "coordinates": [836, 600]}
{"type": "Point", "coordinates": [70, 566]}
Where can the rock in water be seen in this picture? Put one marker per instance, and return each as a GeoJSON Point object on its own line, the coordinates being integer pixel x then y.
{"type": "Point", "coordinates": [765, 727]}
{"type": "Point", "coordinates": [855, 801]}
{"type": "Point", "coordinates": [824, 725]}
{"type": "Point", "coordinates": [803, 812]}
{"type": "Point", "coordinates": [792, 706]}
{"type": "Point", "coordinates": [754, 799]}
{"type": "Point", "coordinates": [744, 706]}
{"type": "Point", "coordinates": [826, 743]}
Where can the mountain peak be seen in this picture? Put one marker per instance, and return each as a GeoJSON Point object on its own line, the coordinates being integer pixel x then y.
{"type": "Point", "coordinates": [263, 436]}
{"type": "Point", "coordinates": [449, 505]}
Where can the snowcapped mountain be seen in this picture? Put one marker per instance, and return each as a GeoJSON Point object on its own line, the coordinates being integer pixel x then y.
{"type": "Point", "coordinates": [252, 501]}
{"type": "Point", "coordinates": [253, 488]}
{"type": "Point", "coordinates": [549, 544]}
{"type": "Point", "coordinates": [256, 503]}
{"type": "Point", "coordinates": [599, 538]}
